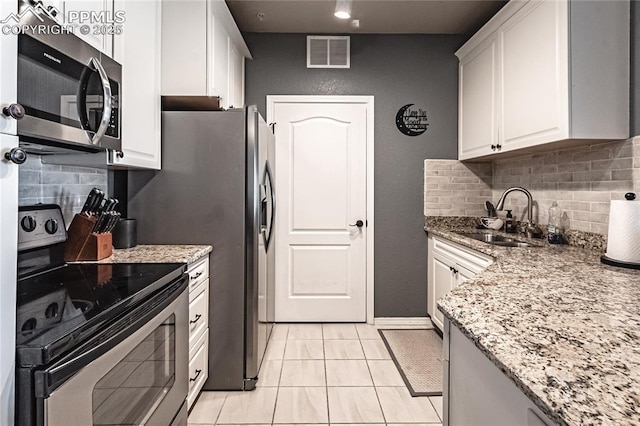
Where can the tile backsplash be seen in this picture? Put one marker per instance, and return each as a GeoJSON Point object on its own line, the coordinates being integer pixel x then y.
{"type": "Point", "coordinates": [453, 188]}
{"type": "Point", "coordinates": [67, 186]}
{"type": "Point", "coordinates": [583, 180]}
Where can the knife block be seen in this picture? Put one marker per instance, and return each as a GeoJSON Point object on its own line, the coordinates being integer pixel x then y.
{"type": "Point", "coordinates": [83, 244]}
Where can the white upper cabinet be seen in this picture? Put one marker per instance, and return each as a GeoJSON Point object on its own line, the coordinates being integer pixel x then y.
{"type": "Point", "coordinates": [138, 49]}
{"type": "Point", "coordinates": [8, 71]}
{"type": "Point", "coordinates": [535, 74]}
{"type": "Point", "coordinates": [236, 77]}
{"type": "Point", "coordinates": [478, 117]}
{"type": "Point", "coordinates": [534, 80]}
{"type": "Point", "coordinates": [100, 33]}
{"type": "Point", "coordinates": [202, 51]}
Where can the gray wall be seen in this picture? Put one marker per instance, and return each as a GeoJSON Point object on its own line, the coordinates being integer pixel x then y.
{"type": "Point", "coordinates": [397, 70]}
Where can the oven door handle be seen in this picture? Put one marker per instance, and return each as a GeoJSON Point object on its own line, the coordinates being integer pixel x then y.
{"type": "Point", "coordinates": [46, 381]}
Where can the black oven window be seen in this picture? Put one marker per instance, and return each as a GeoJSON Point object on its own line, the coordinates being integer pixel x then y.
{"type": "Point", "coordinates": [129, 393]}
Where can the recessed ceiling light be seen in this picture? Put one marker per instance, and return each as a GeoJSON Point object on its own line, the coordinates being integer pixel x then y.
{"type": "Point", "coordinates": [343, 9]}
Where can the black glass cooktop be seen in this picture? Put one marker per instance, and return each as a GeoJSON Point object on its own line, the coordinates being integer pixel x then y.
{"type": "Point", "coordinates": [59, 309]}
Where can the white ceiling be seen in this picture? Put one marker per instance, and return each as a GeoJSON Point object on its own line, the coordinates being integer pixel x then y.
{"type": "Point", "coordinates": [375, 16]}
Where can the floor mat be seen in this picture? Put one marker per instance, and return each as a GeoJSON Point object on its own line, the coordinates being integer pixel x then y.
{"type": "Point", "coordinates": [418, 356]}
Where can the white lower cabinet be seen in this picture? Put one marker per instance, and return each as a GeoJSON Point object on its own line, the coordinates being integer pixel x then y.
{"type": "Point", "coordinates": [476, 392]}
{"type": "Point", "coordinates": [198, 327]}
{"type": "Point", "coordinates": [449, 265]}
{"type": "Point", "coordinates": [198, 368]}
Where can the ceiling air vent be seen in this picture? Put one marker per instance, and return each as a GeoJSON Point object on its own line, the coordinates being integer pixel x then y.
{"type": "Point", "coordinates": [328, 52]}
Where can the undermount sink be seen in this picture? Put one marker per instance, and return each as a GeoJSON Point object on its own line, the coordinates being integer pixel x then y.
{"type": "Point", "coordinates": [495, 239]}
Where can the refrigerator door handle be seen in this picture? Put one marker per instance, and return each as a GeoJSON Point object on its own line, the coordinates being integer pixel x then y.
{"type": "Point", "coordinates": [269, 184]}
{"type": "Point", "coordinates": [263, 208]}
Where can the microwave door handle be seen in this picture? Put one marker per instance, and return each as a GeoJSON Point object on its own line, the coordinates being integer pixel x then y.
{"type": "Point", "coordinates": [106, 111]}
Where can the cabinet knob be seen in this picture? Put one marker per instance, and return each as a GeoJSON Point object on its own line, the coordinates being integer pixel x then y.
{"type": "Point", "coordinates": [119, 154]}
{"type": "Point", "coordinates": [493, 147]}
{"type": "Point", "coordinates": [14, 111]}
{"type": "Point", "coordinates": [498, 147]}
{"type": "Point", "coordinates": [16, 155]}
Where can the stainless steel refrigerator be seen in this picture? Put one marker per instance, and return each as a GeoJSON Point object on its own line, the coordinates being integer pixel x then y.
{"type": "Point", "coordinates": [216, 187]}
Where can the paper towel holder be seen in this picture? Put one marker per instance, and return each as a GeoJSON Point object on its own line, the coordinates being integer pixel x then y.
{"type": "Point", "coordinates": [629, 196]}
{"type": "Point", "coordinates": [612, 262]}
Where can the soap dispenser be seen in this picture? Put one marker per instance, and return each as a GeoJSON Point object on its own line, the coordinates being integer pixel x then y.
{"type": "Point", "coordinates": [509, 223]}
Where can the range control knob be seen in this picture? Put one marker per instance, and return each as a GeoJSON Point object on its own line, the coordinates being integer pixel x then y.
{"type": "Point", "coordinates": [28, 223]}
{"type": "Point", "coordinates": [51, 226]}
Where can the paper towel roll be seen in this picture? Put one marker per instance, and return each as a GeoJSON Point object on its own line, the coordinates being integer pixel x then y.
{"type": "Point", "coordinates": [623, 243]}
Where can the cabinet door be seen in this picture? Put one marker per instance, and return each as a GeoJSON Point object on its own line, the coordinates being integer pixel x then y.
{"type": "Point", "coordinates": [441, 279]}
{"type": "Point", "coordinates": [184, 47]}
{"type": "Point", "coordinates": [534, 77]}
{"type": "Point", "coordinates": [218, 69]}
{"type": "Point", "coordinates": [8, 252]}
{"type": "Point", "coordinates": [138, 50]}
{"type": "Point", "coordinates": [463, 275]}
{"type": "Point", "coordinates": [478, 122]}
{"type": "Point", "coordinates": [8, 74]}
{"type": "Point", "coordinates": [100, 8]}
{"type": "Point", "coordinates": [236, 77]}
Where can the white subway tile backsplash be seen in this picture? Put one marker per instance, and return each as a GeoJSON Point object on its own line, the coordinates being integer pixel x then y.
{"type": "Point", "coordinates": [582, 180]}
{"type": "Point", "coordinates": [66, 186]}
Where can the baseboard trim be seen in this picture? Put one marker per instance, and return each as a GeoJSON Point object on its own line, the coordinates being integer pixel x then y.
{"type": "Point", "coordinates": [417, 322]}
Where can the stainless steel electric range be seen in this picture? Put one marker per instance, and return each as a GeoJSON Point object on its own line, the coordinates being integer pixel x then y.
{"type": "Point", "coordinates": [97, 344]}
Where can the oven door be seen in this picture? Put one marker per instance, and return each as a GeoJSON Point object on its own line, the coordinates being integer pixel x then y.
{"type": "Point", "coordinates": [143, 380]}
{"type": "Point", "coordinates": [69, 92]}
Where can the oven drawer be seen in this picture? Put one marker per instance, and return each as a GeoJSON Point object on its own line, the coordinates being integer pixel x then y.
{"type": "Point", "coordinates": [198, 368]}
{"type": "Point", "coordinates": [198, 272]}
{"type": "Point", "coordinates": [198, 312]}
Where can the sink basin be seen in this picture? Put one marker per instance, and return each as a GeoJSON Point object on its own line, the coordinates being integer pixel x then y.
{"type": "Point", "coordinates": [495, 239]}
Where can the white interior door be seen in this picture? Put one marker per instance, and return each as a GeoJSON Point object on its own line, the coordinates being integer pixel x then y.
{"type": "Point", "coordinates": [321, 183]}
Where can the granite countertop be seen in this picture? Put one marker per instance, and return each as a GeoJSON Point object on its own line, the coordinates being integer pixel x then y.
{"type": "Point", "coordinates": [559, 323]}
{"type": "Point", "coordinates": [158, 254]}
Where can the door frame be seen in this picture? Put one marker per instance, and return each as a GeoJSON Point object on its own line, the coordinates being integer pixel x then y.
{"type": "Point", "coordinates": [368, 101]}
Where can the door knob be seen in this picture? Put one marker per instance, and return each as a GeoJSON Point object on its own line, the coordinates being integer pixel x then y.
{"type": "Point", "coordinates": [14, 110]}
{"type": "Point", "coordinates": [358, 223]}
{"type": "Point", "coordinates": [16, 155]}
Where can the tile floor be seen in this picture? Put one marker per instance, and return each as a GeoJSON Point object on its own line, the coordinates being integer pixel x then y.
{"type": "Point", "coordinates": [321, 374]}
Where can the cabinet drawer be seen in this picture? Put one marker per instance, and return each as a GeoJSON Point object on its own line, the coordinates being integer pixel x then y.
{"type": "Point", "coordinates": [463, 256]}
{"type": "Point", "coordinates": [198, 273]}
{"type": "Point", "coordinates": [198, 368]}
{"type": "Point", "coordinates": [198, 313]}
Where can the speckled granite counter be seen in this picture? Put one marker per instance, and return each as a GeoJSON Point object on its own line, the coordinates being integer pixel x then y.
{"type": "Point", "coordinates": [158, 254]}
{"type": "Point", "coordinates": [563, 326]}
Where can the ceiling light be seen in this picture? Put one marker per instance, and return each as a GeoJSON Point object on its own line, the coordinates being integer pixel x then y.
{"type": "Point", "coordinates": [343, 9]}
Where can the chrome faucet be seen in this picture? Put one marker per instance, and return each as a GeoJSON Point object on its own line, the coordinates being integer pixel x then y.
{"type": "Point", "coordinates": [530, 228]}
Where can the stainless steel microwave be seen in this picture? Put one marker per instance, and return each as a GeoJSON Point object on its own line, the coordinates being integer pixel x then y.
{"type": "Point", "coordinates": [69, 93]}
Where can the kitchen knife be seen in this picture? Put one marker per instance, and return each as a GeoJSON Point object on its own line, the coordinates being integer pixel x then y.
{"type": "Point", "coordinates": [96, 203]}
{"type": "Point", "coordinates": [100, 223]}
{"type": "Point", "coordinates": [110, 204]}
{"type": "Point", "coordinates": [90, 199]}
{"type": "Point", "coordinates": [114, 221]}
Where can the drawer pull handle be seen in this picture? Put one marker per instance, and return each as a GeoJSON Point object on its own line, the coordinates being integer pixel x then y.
{"type": "Point", "coordinates": [196, 276]}
{"type": "Point", "coordinates": [193, 321]}
{"type": "Point", "coordinates": [193, 379]}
